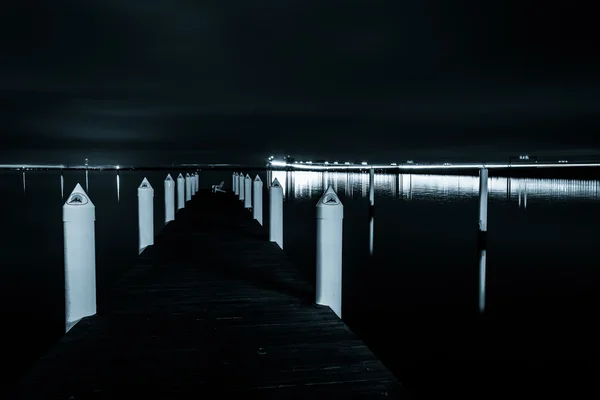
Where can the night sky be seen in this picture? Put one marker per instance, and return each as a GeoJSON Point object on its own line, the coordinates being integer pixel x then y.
{"type": "Point", "coordinates": [129, 81]}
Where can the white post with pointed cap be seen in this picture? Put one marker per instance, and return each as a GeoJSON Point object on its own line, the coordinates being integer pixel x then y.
{"type": "Point", "coordinates": [276, 213]}
{"type": "Point", "coordinates": [236, 182]}
{"type": "Point", "coordinates": [483, 200]}
{"type": "Point", "coordinates": [247, 192]}
{"type": "Point", "coordinates": [197, 181]}
{"type": "Point", "coordinates": [145, 215]}
{"type": "Point", "coordinates": [169, 199]}
{"type": "Point", "coordinates": [242, 186]}
{"type": "Point", "coordinates": [180, 192]}
{"type": "Point", "coordinates": [79, 215]}
{"type": "Point", "coordinates": [257, 200]}
{"type": "Point", "coordinates": [188, 187]}
{"type": "Point", "coordinates": [330, 217]}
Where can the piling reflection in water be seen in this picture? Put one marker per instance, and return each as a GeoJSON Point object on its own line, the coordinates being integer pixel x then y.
{"type": "Point", "coordinates": [482, 273]}
{"type": "Point", "coordinates": [24, 186]}
{"type": "Point", "coordinates": [371, 233]}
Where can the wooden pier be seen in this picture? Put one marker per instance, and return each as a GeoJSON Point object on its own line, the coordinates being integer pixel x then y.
{"type": "Point", "coordinates": [213, 308]}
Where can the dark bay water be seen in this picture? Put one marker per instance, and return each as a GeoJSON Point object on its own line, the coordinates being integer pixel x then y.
{"type": "Point", "coordinates": [417, 301]}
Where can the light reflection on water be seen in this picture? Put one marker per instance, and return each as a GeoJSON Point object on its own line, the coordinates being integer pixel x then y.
{"type": "Point", "coordinates": [304, 184]}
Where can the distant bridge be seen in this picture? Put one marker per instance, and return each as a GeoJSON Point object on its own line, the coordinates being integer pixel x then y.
{"type": "Point", "coordinates": [314, 166]}
{"type": "Point", "coordinates": [431, 166]}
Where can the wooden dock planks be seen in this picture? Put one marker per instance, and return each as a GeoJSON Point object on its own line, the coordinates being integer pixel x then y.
{"type": "Point", "coordinates": [212, 308]}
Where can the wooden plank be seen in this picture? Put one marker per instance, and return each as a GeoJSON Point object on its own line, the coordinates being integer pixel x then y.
{"type": "Point", "coordinates": [212, 308]}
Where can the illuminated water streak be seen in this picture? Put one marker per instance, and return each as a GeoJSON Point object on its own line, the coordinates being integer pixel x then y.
{"type": "Point", "coordinates": [118, 186]}
{"type": "Point", "coordinates": [309, 184]}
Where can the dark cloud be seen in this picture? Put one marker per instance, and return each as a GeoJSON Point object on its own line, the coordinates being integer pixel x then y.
{"type": "Point", "coordinates": [276, 72]}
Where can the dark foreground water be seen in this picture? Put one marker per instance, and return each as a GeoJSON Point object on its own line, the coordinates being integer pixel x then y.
{"type": "Point", "coordinates": [522, 324]}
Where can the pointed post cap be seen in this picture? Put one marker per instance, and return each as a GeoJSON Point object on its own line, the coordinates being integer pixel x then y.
{"type": "Point", "coordinates": [329, 198]}
{"type": "Point", "coordinates": [187, 175]}
{"type": "Point", "coordinates": [329, 206]}
{"type": "Point", "coordinates": [78, 198]}
{"type": "Point", "coordinates": [248, 176]}
{"type": "Point", "coordinates": [145, 184]}
{"type": "Point", "coordinates": [196, 173]}
{"type": "Point", "coordinates": [257, 179]}
{"type": "Point", "coordinates": [180, 176]}
{"type": "Point", "coordinates": [168, 178]}
{"type": "Point", "coordinates": [235, 173]}
{"type": "Point", "coordinates": [276, 183]}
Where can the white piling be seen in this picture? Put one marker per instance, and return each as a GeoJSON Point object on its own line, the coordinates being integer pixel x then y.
{"type": "Point", "coordinates": [145, 215]}
{"type": "Point", "coordinates": [180, 192]}
{"type": "Point", "coordinates": [483, 200]}
{"type": "Point", "coordinates": [235, 183]}
{"type": "Point", "coordinates": [372, 187]}
{"type": "Point", "coordinates": [197, 183]}
{"type": "Point", "coordinates": [257, 200]}
{"type": "Point", "coordinates": [169, 199]}
{"type": "Point", "coordinates": [188, 187]}
{"type": "Point", "coordinates": [242, 186]}
{"type": "Point", "coordinates": [80, 257]}
{"type": "Point", "coordinates": [276, 213]}
{"type": "Point", "coordinates": [247, 192]}
{"type": "Point", "coordinates": [330, 217]}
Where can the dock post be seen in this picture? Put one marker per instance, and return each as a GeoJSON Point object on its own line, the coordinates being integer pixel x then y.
{"type": "Point", "coordinates": [192, 182]}
{"type": "Point", "coordinates": [180, 192]}
{"type": "Point", "coordinates": [276, 213]}
{"type": "Point", "coordinates": [483, 204]}
{"type": "Point", "coordinates": [145, 215]}
{"type": "Point", "coordinates": [247, 192]}
{"type": "Point", "coordinates": [79, 215]}
{"type": "Point", "coordinates": [188, 187]}
{"type": "Point", "coordinates": [330, 217]}
{"type": "Point", "coordinates": [371, 187]}
{"type": "Point", "coordinates": [169, 199]}
{"type": "Point", "coordinates": [241, 186]}
{"type": "Point", "coordinates": [197, 182]}
{"type": "Point", "coordinates": [257, 200]}
{"type": "Point", "coordinates": [234, 182]}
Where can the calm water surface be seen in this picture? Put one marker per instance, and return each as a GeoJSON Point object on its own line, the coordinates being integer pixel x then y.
{"type": "Point", "coordinates": [519, 319]}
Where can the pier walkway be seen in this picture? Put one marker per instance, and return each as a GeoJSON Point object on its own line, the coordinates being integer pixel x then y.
{"type": "Point", "coordinates": [213, 308]}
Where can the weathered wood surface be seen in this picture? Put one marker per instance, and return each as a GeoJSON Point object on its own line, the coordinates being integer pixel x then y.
{"type": "Point", "coordinates": [212, 308]}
